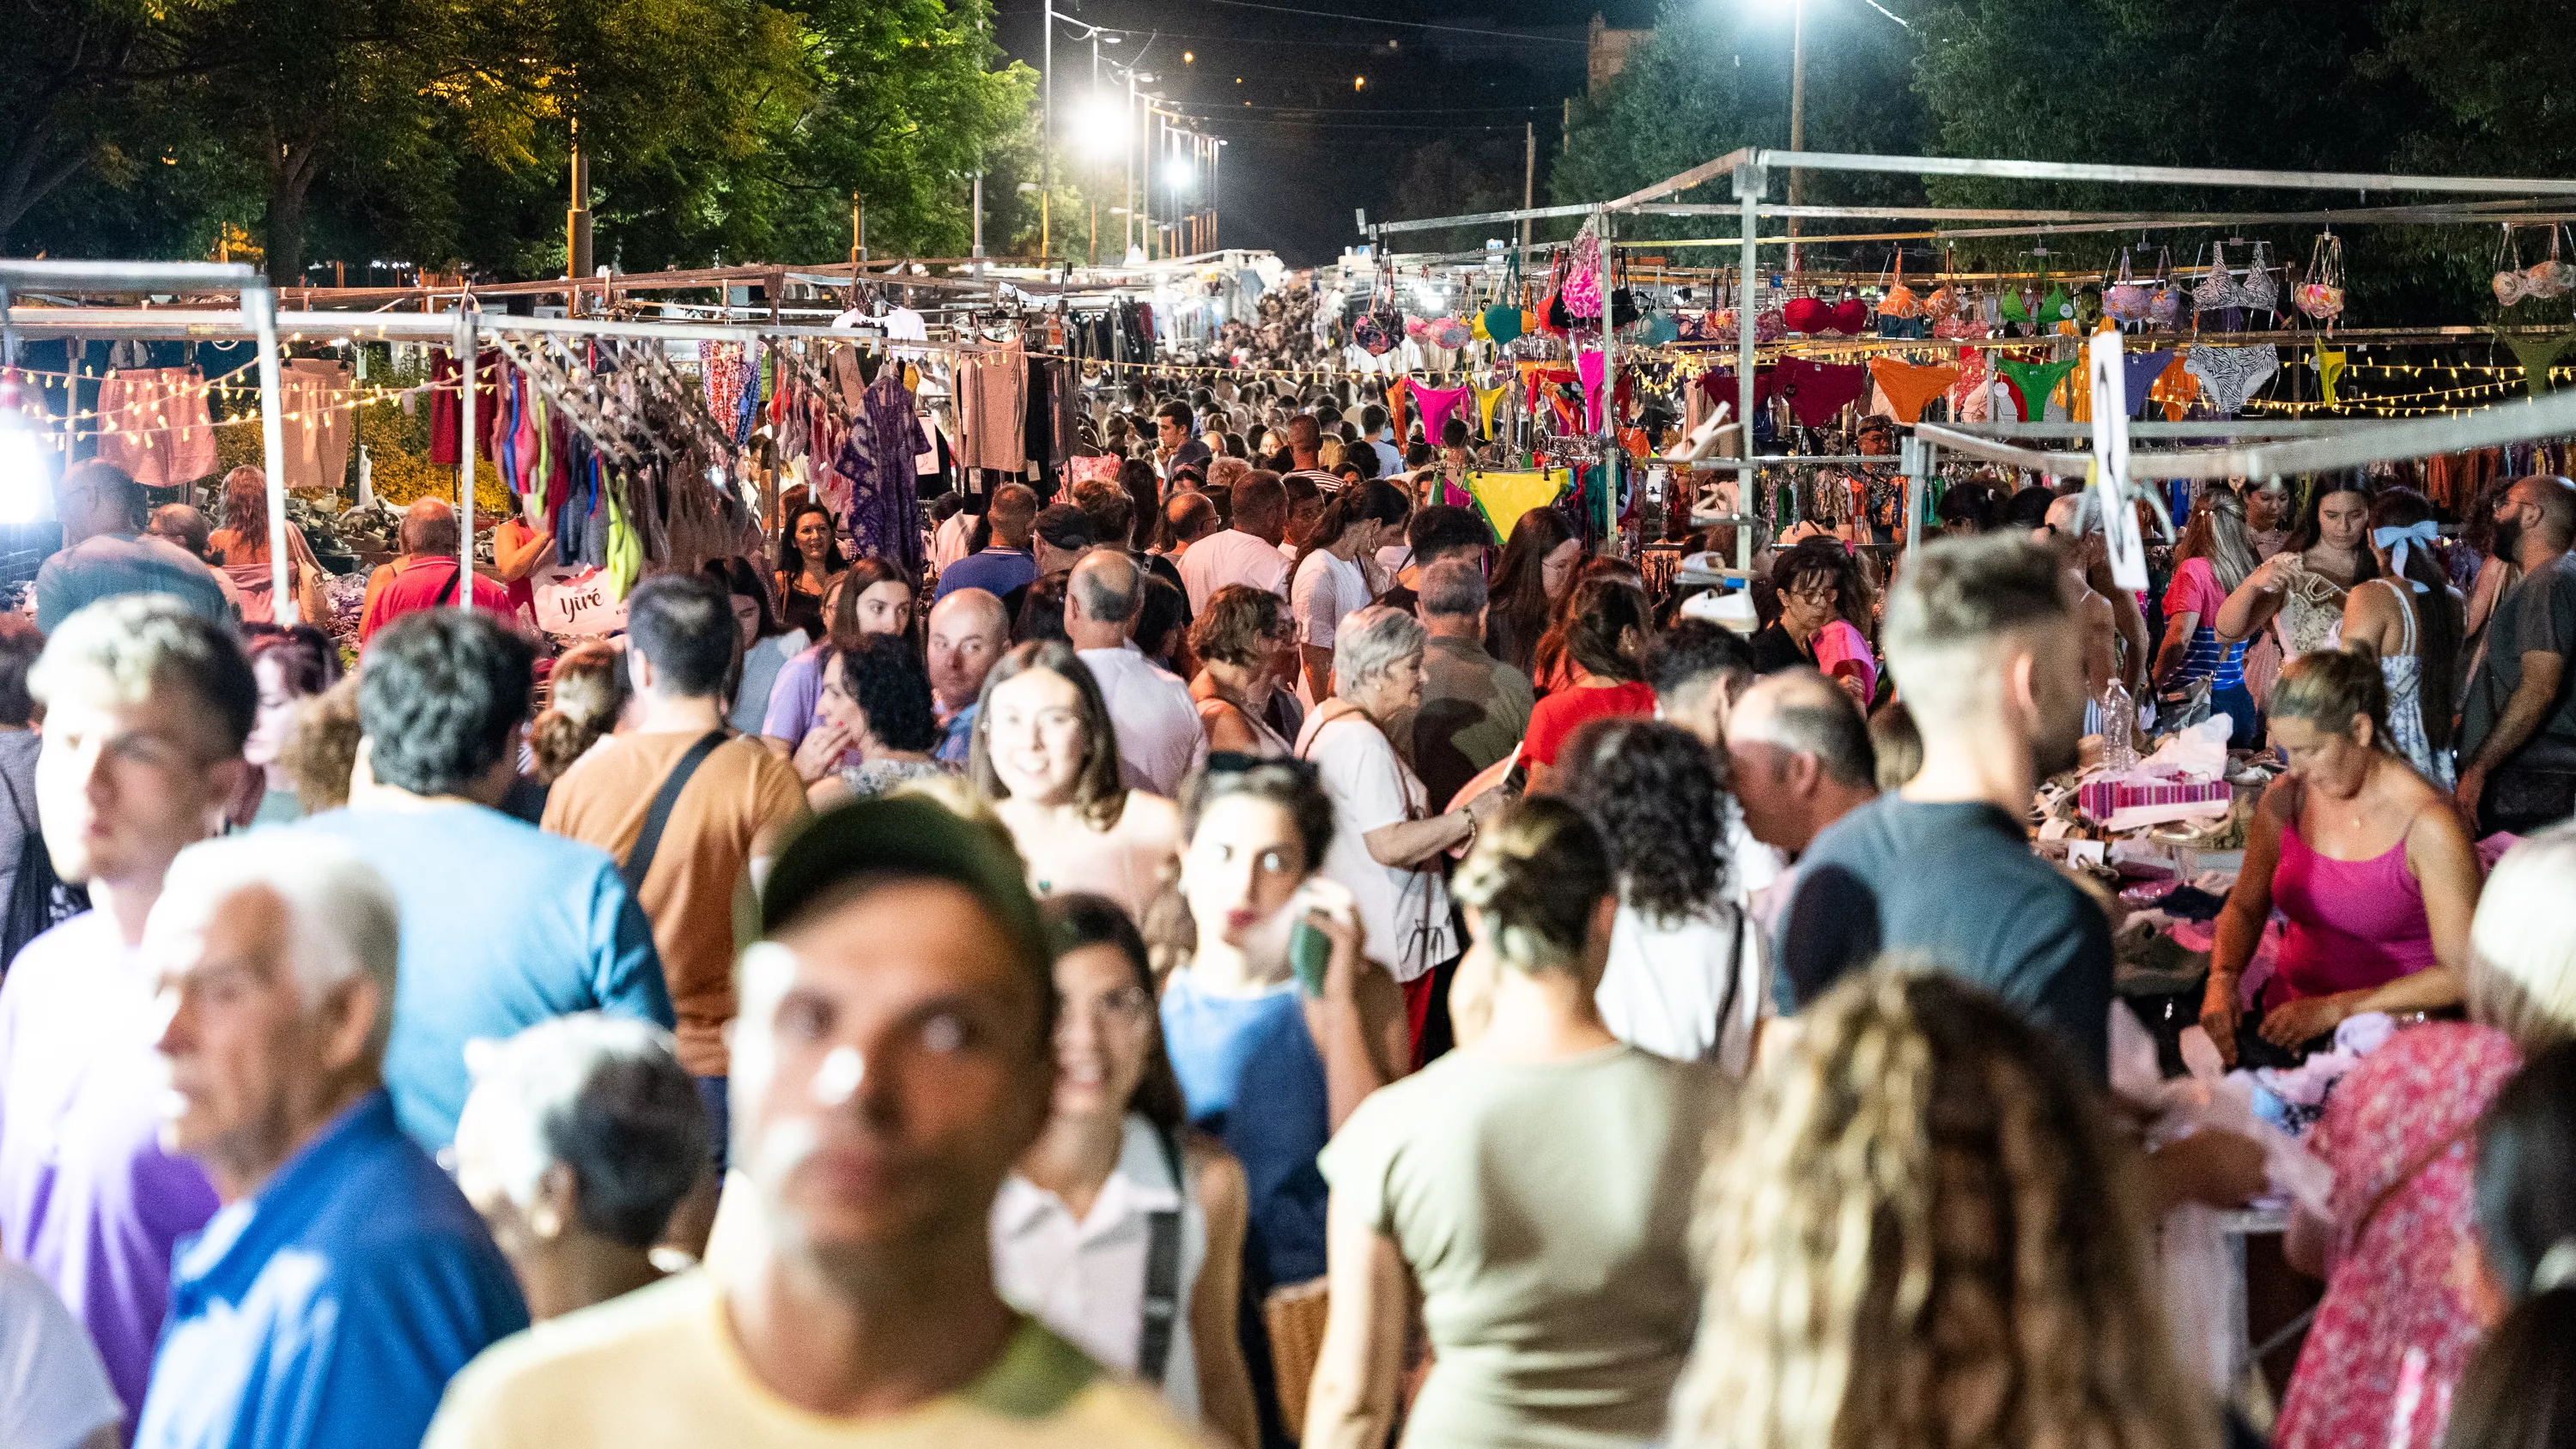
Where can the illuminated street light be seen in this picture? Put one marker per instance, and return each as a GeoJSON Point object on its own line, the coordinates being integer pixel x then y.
{"type": "Point", "coordinates": [1101, 126]}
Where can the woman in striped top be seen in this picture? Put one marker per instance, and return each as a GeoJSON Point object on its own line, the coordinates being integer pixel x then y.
{"type": "Point", "coordinates": [2215, 556]}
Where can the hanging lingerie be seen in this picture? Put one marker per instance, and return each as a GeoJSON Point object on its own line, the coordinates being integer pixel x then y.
{"type": "Point", "coordinates": [1592, 367]}
{"type": "Point", "coordinates": [2536, 354]}
{"type": "Point", "coordinates": [2329, 364]}
{"type": "Point", "coordinates": [1818, 390]}
{"type": "Point", "coordinates": [2032, 382]}
{"type": "Point", "coordinates": [2230, 375]}
{"type": "Point", "coordinates": [1910, 385]}
{"type": "Point", "coordinates": [2176, 388]}
{"type": "Point", "coordinates": [1438, 405]}
{"type": "Point", "coordinates": [1970, 390]}
{"type": "Point", "coordinates": [1486, 400]}
{"type": "Point", "coordinates": [2220, 290]}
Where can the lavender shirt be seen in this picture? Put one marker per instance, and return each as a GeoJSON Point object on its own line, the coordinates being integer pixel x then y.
{"type": "Point", "coordinates": [87, 1198]}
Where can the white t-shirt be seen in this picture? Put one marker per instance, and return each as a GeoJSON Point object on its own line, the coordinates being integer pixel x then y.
{"type": "Point", "coordinates": [1327, 590]}
{"type": "Point", "coordinates": [1160, 739]}
{"type": "Point", "coordinates": [1406, 912]}
{"type": "Point", "coordinates": [1231, 556]}
{"type": "Point", "coordinates": [1665, 987]}
{"type": "Point", "coordinates": [1085, 1278]}
{"type": "Point", "coordinates": [53, 1389]}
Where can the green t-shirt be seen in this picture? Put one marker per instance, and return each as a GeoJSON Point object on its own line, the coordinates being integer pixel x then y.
{"type": "Point", "coordinates": [1544, 1211]}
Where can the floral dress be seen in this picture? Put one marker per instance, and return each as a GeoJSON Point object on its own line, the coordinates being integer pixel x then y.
{"type": "Point", "coordinates": [2392, 1336]}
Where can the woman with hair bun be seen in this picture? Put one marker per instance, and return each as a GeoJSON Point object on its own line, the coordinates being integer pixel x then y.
{"type": "Point", "coordinates": [1533, 1186]}
{"type": "Point", "coordinates": [2365, 858]}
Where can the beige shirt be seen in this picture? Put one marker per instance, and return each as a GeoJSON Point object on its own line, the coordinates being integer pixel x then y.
{"type": "Point", "coordinates": [660, 1369]}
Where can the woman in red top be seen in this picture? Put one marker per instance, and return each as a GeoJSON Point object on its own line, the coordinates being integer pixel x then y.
{"type": "Point", "coordinates": [1605, 636]}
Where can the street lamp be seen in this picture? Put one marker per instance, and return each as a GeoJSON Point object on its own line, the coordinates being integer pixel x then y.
{"type": "Point", "coordinates": [1798, 94]}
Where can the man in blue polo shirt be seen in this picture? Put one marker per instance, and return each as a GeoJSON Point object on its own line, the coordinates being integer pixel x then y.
{"type": "Point", "coordinates": [345, 1278]}
{"type": "Point", "coordinates": [1005, 563]}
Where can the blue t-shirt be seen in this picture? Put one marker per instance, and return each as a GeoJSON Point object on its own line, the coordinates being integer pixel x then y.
{"type": "Point", "coordinates": [330, 1307]}
{"type": "Point", "coordinates": [123, 563]}
{"type": "Point", "coordinates": [1252, 1078]}
{"type": "Point", "coordinates": [996, 571]}
{"type": "Point", "coordinates": [503, 926]}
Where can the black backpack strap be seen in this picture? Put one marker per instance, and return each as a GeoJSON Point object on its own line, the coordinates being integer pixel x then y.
{"type": "Point", "coordinates": [1162, 1273]}
{"type": "Point", "coordinates": [639, 861]}
{"type": "Point", "coordinates": [448, 591]}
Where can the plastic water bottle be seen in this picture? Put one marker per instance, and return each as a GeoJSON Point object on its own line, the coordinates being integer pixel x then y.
{"type": "Point", "coordinates": [2119, 728]}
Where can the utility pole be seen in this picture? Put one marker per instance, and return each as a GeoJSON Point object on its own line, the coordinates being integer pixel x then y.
{"type": "Point", "coordinates": [979, 223]}
{"type": "Point", "coordinates": [577, 224]}
{"type": "Point", "coordinates": [1128, 235]}
{"type": "Point", "coordinates": [1797, 115]}
{"type": "Point", "coordinates": [1046, 147]}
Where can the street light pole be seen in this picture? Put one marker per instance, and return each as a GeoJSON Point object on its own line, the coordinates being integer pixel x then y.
{"type": "Point", "coordinates": [1046, 150]}
{"type": "Point", "coordinates": [1797, 114]}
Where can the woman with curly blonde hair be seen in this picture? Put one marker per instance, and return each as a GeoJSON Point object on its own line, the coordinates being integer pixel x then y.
{"type": "Point", "coordinates": [1921, 1233]}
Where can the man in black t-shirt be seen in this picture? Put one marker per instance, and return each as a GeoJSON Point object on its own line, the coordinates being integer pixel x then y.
{"type": "Point", "coordinates": [1988, 650]}
{"type": "Point", "coordinates": [2518, 721]}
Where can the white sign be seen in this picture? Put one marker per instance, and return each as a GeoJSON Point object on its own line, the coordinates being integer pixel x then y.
{"type": "Point", "coordinates": [577, 601]}
{"type": "Point", "coordinates": [2110, 471]}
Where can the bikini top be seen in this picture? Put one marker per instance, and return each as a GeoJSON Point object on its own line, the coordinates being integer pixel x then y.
{"type": "Point", "coordinates": [2221, 289]}
{"type": "Point", "coordinates": [2262, 290]}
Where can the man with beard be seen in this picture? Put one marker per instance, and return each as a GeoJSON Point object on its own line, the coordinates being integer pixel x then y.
{"type": "Point", "coordinates": [2518, 722]}
{"type": "Point", "coordinates": [1988, 649]}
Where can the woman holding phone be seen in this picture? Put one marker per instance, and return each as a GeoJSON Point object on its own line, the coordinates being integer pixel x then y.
{"type": "Point", "coordinates": [1272, 1060]}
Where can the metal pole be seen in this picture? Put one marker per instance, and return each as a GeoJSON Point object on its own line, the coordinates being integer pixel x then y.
{"type": "Point", "coordinates": [1918, 476]}
{"type": "Point", "coordinates": [1611, 458]}
{"type": "Point", "coordinates": [577, 223]}
{"type": "Point", "coordinates": [1529, 175]}
{"type": "Point", "coordinates": [261, 304]}
{"type": "Point", "coordinates": [1797, 113]}
{"type": "Point", "coordinates": [1046, 151]}
{"type": "Point", "coordinates": [979, 223]}
{"type": "Point", "coordinates": [470, 371]}
{"type": "Point", "coordinates": [1127, 234]}
{"type": "Point", "coordinates": [1748, 191]}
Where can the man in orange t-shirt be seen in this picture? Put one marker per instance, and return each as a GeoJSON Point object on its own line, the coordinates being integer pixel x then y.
{"type": "Point", "coordinates": [725, 826]}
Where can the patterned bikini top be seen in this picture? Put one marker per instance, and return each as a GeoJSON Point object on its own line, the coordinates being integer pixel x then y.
{"type": "Point", "coordinates": [2260, 291]}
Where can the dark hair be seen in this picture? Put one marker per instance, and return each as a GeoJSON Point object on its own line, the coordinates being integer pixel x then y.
{"type": "Point", "coordinates": [2310, 529]}
{"type": "Point", "coordinates": [881, 676]}
{"type": "Point", "coordinates": [1290, 784]}
{"type": "Point", "coordinates": [1696, 652]}
{"type": "Point", "coordinates": [1065, 526]}
{"type": "Point", "coordinates": [1534, 878]}
{"type": "Point", "coordinates": [683, 626]}
{"type": "Point", "coordinates": [440, 694]}
{"type": "Point", "coordinates": [1145, 500]}
{"type": "Point", "coordinates": [1236, 625]}
{"type": "Point", "coordinates": [1078, 921]}
{"type": "Point", "coordinates": [1373, 419]}
{"type": "Point", "coordinates": [1654, 791]}
{"type": "Point", "coordinates": [1605, 612]}
{"type": "Point", "coordinates": [309, 661]}
{"type": "Point", "coordinates": [792, 563]}
{"type": "Point", "coordinates": [1520, 613]}
{"type": "Point", "coordinates": [1896, 745]}
{"type": "Point", "coordinates": [2028, 507]}
{"type": "Point", "coordinates": [1178, 412]}
{"type": "Point", "coordinates": [2439, 625]}
{"type": "Point", "coordinates": [111, 483]}
{"type": "Point", "coordinates": [1453, 433]}
{"type": "Point", "coordinates": [1828, 557]}
{"type": "Point", "coordinates": [857, 579]}
{"type": "Point", "coordinates": [1419, 455]}
{"type": "Point", "coordinates": [1256, 495]}
{"type": "Point", "coordinates": [1162, 617]}
{"type": "Point", "coordinates": [1041, 616]}
{"type": "Point", "coordinates": [1369, 499]}
{"type": "Point", "coordinates": [1099, 793]}
{"type": "Point", "coordinates": [2519, 1389]}
{"type": "Point", "coordinates": [1442, 528]}
{"type": "Point", "coordinates": [585, 693]}
{"type": "Point", "coordinates": [20, 642]}
{"type": "Point", "coordinates": [738, 577]}
{"type": "Point", "coordinates": [2526, 1175]}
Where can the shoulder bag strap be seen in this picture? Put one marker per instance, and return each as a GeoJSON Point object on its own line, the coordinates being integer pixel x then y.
{"type": "Point", "coordinates": [447, 592]}
{"type": "Point", "coordinates": [639, 861]}
{"type": "Point", "coordinates": [1162, 1273]}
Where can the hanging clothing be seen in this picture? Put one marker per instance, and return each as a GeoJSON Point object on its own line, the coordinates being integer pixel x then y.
{"type": "Point", "coordinates": [1439, 404]}
{"type": "Point", "coordinates": [2228, 376]}
{"type": "Point", "coordinates": [1593, 368]}
{"type": "Point", "coordinates": [1486, 398]}
{"type": "Point", "coordinates": [447, 403]}
{"type": "Point", "coordinates": [320, 420]}
{"type": "Point", "coordinates": [1909, 386]}
{"type": "Point", "coordinates": [876, 462]}
{"type": "Point", "coordinates": [2139, 371]}
{"type": "Point", "coordinates": [153, 424]}
{"type": "Point", "coordinates": [2176, 388]}
{"type": "Point", "coordinates": [1818, 390]}
{"type": "Point", "coordinates": [992, 407]}
{"type": "Point", "coordinates": [2033, 382]}
{"type": "Point", "coordinates": [1968, 395]}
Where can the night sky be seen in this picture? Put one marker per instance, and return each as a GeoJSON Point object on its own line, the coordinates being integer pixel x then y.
{"type": "Point", "coordinates": [1305, 146]}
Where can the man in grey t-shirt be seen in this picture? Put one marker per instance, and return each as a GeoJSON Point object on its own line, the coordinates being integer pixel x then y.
{"type": "Point", "coordinates": [2518, 723]}
{"type": "Point", "coordinates": [1475, 707]}
{"type": "Point", "coordinates": [105, 553]}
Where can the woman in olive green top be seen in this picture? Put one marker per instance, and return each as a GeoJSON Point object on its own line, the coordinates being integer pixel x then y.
{"type": "Point", "coordinates": [1534, 1186]}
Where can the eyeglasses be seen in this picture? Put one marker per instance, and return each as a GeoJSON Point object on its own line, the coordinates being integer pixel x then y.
{"type": "Point", "coordinates": [1128, 1006]}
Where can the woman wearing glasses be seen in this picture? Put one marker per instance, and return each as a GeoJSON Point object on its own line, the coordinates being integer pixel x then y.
{"type": "Point", "coordinates": [1122, 1229]}
{"type": "Point", "coordinates": [1822, 604]}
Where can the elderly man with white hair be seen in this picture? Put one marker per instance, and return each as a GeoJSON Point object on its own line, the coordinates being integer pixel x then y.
{"type": "Point", "coordinates": [345, 1278]}
{"type": "Point", "coordinates": [1160, 739]}
{"type": "Point", "coordinates": [1387, 844]}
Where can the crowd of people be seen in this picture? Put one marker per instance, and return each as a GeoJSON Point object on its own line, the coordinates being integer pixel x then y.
{"type": "Point", "coordinates": [1241, 954]}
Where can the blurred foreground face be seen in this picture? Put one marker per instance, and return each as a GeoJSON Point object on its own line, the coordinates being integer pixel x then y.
{"type": "Point", "coordinates": [123, 785]}
{"type": "Point", "coordinates": [246, 1053]}
{"type": "Point", "coordinates": [887, 1071]}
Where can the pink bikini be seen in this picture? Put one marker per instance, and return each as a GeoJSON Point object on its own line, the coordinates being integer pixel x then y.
{"type": "Point", "coordinates": [2354, 924]}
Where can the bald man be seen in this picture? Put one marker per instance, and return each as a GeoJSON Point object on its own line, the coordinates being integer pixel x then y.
{"type": "Point", "coordinates": [1160, 739]}
{"type": "Point", "coordinates": [2518, 723]}
{"type": "Point", "coordinates": [1801, 755]}
{"type": "Point", "coordinates": [427, 573]}
{"type": "Point", "coordinates": [968, 630]}
{"type": "Point", "coordinates": [1007, 562]}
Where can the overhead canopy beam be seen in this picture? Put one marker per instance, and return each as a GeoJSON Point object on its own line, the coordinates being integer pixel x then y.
{"type": "Point", "coordinates": [2126, 175]}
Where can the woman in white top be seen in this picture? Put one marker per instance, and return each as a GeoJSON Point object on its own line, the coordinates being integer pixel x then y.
{"type": "Point", "coordinates": [1094, 1234]}
{"type": "Point", "coordinates": [1386, 844]}
{"type": "Point", "coordinates": [2305, 584]}
{"type": "Point", "coordinates": [766, 644]}
{"type": "Point", "coordinates": [1330, 582]}
{"type": "Point", "coordinates": [1686, 977]}
{"type": "Point", "coordinates": [1046, 755]}
{"type": "Point", "coordinates": [2412, 616]}
{"type": "Point", "coordinates": [1235, 639]}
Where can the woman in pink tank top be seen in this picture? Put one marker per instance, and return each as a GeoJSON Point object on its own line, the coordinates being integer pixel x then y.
{"type": "Point", "coordinates": [2364, 859]}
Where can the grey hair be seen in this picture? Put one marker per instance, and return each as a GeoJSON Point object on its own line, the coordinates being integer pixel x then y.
{"type": "Point", "coordinates": [1454, 588]}
{"type": "Point", "coordinates": [341, 915]}
{"type": "Point", "coordinates": [2082, 513]}
{"type": "Point", "coordinates": [144, 642]}
{"type": "Point", "coordinates": [607, 1098]}
{"type": "Point", "coordinates": [1103, 600]}
{"type": "Point", "coordinates": [1227, 471]}
{"type": "Point", "coordinates": [1370, 642]}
